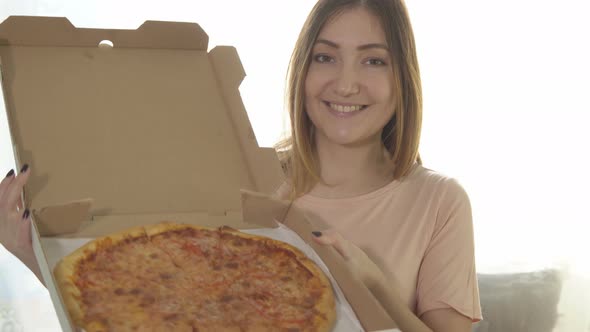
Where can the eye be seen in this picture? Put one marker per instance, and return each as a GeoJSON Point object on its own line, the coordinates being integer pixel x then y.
{"type": "Point", "coordinates": [323, 58]}
{"type": "Point", "coordinates": [376, 62]}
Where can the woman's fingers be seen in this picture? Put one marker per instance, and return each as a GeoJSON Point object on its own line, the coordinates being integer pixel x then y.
{"type": "Point", "coordinates": [19, 205]}
{"type": "Point", "coordinates": [5, 183]}
{"type": "Point", "coordinates": [357, 260]}
{"type": "Point", "coordinates": [12, 197]}
{"type": "Point", "coordinates": [15, 232]}
{"type": "Point", "coordinates": [24, 231]}
{"type": "Point", "coordinates": [335, 240]}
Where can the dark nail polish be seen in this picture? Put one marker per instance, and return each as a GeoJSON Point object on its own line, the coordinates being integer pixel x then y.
{"type": "Point", "coordinates": [10, 173]}
{"type": "Point", "coordinates": [317, 234]}
{"type": "Point", "coordinates": [25, 168]}
{"type": "Point", "coordinates": [26, 214]}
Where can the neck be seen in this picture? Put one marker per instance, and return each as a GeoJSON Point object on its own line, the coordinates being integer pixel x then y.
{"type": "Point", "coordinates": [351, 170]}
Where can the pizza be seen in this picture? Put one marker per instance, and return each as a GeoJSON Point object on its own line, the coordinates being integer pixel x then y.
{"type": "Point", "coordinates": [177, 277]}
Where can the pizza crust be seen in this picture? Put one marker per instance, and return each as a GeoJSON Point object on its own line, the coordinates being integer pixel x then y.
{"type": "Point", "coordinates": [326, 303]}
{"type": "Point", "coordinates": [167, 226]}
{"type": "Point", "coordinates": [70, 294]}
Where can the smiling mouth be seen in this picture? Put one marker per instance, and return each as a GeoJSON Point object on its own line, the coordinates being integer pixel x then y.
{"type": "Point", "coordinates": [345, 108]}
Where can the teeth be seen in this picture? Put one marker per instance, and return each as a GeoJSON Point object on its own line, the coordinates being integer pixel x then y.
{"type": "Point", "coordinates": [346, 109]}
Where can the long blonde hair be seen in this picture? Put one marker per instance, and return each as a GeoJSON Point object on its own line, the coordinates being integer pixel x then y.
{"type": "Point", "coordinates": [400, 136]}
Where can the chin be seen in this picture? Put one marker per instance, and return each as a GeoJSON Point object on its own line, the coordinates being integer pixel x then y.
{"type": "Point", "coordinates": [351, 140]}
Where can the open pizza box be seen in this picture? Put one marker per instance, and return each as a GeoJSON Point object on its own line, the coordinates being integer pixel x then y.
{"type": "Point", "coordinates": [132, 127]}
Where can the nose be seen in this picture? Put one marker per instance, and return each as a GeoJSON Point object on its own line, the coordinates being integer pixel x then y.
{"type": "Point", "coordinates": [347, 82]}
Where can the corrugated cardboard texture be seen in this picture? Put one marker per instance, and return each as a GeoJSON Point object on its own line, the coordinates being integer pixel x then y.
{"type": "Point", "coordinates": [153, 125]}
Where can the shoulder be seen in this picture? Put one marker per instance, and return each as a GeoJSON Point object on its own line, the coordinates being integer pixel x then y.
{"type": "Point", "coordinates": [434, 182]}
{"type": "Point", "coordinates": [440, 193]}
{"type": "Point", "coordinates": [450, 200]}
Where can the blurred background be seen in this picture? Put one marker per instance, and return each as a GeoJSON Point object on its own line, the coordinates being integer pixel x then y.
{"type": "Point", "coordinates": [506, 90]}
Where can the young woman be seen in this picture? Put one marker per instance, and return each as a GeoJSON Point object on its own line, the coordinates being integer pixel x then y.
{"type": "Point", "coordinates": [355, 104]}
{"type": "Point", "coordinates": [352, 164]}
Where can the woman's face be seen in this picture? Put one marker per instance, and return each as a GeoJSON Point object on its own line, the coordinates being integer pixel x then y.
{"type": "Point", "coordinates": [349, 88]}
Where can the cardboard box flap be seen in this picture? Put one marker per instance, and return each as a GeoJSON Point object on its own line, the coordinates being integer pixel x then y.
{"type": "Point", "coordinates": [263, 163]}
{"type": "Point", "coordinates": [59, 31]}
{"type": "Point", "coordinates": [261, 209]}
{"type": "Point", "coordinates": [62, 219]}
{"type": "Point", "coordinates": [138, 130]}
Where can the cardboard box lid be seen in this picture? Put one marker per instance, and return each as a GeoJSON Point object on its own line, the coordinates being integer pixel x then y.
{"type": "Point", "coordinates": [154, 124]}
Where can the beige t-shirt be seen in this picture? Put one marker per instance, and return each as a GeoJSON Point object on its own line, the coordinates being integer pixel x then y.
{"type": "Point", "coordinates": [419, 230]}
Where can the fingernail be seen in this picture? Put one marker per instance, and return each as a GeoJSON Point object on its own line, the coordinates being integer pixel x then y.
{"type": "Point", "coordinates": [316, 234]}
{"type": "Point", "coordinates": [25, 168]}
{"type": "Point", "coordinates": [10, 173]}
{"type": "Point", "coordinates": [26, 214]}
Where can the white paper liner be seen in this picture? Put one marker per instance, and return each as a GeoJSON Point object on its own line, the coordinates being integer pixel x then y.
{"type": "Point", "coordinates": [346, 320]}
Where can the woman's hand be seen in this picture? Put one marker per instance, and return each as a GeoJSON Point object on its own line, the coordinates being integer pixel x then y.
{"type": "Point", "coordinates": [15, 222]}
{"type": "Point", "coordinates": [358, 261]}
{"type": "Point", "coordinates": [385, 291]}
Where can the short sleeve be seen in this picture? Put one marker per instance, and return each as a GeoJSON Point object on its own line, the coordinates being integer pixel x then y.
{"type": "Point", "coordinates": [447, 277]}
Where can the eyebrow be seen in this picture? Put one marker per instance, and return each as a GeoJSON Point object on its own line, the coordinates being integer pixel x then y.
{"type": "Point", "coordinates": [360, 48]}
